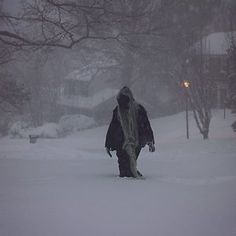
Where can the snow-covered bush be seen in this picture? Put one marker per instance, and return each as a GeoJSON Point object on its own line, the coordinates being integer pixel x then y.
{"type": "Point", "coordinates": [22, 130]}
{"type": "Point", "coordinates": [67, 124]}
{"type": "Point", "coordinates": [71, 123]}
{"type": "Point", "coordinates": [48, 130]}
{"type": "Point", "coordinates": [19, 130]}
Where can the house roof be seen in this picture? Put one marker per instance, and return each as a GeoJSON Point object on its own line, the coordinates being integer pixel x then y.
{"type": "Point", "coordinates": [85, 74]}
{"type": "Point", "coordinates": [216, 43]}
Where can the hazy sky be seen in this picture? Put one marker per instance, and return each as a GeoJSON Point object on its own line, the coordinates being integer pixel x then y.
{"type": "Point", "coordinates": [11, 5]}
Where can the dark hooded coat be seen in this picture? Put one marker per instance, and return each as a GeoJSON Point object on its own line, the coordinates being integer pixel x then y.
{"type": "Point", "coordinates": [115, 135]}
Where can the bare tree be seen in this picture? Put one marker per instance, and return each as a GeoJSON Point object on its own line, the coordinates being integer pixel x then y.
{"type": "Point", "coordinates": [157, 28]}
{"type": "Point", "coordinates": [190, 21]}
{"type": "Point", "coordinates": [201, 101]}
{"type": "Point", "coordinates": [63, 23]}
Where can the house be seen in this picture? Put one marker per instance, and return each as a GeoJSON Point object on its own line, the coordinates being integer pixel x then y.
{"type": "Point", "coordinates": [213, 48]}
{"type": "Point", "coordinates": [82, 95]}
{"type": "Point", "coordinates": [87, 90]}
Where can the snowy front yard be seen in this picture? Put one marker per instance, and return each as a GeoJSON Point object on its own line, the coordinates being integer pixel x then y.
{"type": "Point", "coordinates": [69, 186]}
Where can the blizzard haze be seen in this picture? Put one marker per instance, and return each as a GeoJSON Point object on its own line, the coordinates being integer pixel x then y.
{"type": "Point", "coordinates": [62, 65]}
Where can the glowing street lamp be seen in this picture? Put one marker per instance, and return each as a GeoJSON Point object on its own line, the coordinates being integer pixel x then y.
{"type": "Point", "coordinates": [186, 85]}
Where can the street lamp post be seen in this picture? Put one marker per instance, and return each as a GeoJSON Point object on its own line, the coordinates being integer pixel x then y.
{"type": "Point", "coordinates": [186, 86]}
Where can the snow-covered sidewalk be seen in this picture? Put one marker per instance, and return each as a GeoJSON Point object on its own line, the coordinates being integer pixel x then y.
{"type": "Point", "coordinates": [69, 186]}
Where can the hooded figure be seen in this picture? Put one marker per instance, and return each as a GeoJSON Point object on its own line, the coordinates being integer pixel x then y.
{"type": "Point", "coordinates": [128, 132]}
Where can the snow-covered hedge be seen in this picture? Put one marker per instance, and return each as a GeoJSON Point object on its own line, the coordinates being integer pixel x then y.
{"type": "Point", "coordinates": [71, 123]}
{"type": "Point", "coordinates": [67, 124]}
{"type": "Point", "coordinates": [22, 130]}
{"type": "Point", "coordinates": [19, 130]}
{"type": "Point", "coordinates": [48, 130]}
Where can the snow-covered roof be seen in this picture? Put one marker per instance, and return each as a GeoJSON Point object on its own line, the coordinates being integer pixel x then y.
{"type": "Point", "coordinates": [89, 102]}
{"type": "Point", "coordinates": [87, 73]}
{"type": "Point", "coordinates": [102, 60]}
{"type": "Point", "coordinates": [216, 43]}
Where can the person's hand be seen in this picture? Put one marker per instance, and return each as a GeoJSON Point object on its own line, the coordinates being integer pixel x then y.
{"type": "Point", "coordinates": [108, 151]}
{"type": "Point", "coordinates": [151, 147]}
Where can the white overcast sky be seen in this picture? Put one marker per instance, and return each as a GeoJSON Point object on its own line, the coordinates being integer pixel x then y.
{"type": "Point", "coordinates": [12, 6]}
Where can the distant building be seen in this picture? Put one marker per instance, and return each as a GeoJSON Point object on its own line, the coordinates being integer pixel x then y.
{"type": "Point", "coordinates": [213, 48]}
{"type": "Point", "coordinates": [79, 95]}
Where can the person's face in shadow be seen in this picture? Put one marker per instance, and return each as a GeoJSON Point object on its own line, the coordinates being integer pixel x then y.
{"type": "Point", "coordinates": [123, 101]}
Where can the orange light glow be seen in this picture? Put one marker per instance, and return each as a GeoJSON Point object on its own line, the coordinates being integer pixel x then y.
{"type": "Point", "coordinates": [186, 84]}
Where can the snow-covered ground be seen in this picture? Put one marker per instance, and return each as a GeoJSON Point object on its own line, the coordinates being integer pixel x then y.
{"type": "Point", "coordinates": [70, 187]}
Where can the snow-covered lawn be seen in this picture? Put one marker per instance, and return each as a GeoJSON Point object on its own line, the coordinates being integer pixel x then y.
{"type": "Point", "coordinates": [70, 187]}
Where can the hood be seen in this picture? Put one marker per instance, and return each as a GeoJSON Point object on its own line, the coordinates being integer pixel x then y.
{"type": "Point", "coordinates": [125, 91]}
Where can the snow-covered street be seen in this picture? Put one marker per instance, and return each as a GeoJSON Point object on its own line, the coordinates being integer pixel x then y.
{"type": "Point", "coordinates": [70, 186]}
